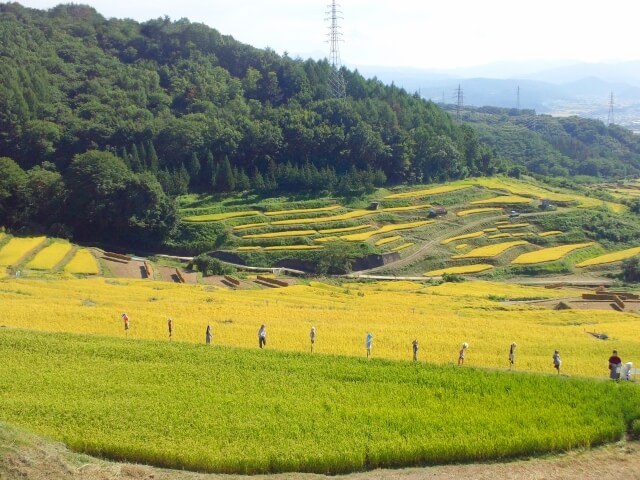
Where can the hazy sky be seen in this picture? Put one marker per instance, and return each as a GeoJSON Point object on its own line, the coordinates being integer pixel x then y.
{"type": "Point", "coordinates": [426, 34]}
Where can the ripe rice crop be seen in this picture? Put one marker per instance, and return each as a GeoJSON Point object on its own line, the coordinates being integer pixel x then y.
{"type": "Point", "coordinates": [289, 233]}
{"type": "Point", "coordinates": [610, 257]}
{"type": "Point", "coordinates": [512, 225]}
{"type": "Point", "coordinates": [402, 247]}
{"type": "Point", "coordinates": [489, 230]}
{"type": "Point", "coordinates": [331, 238]}
{"type": "Point", "coordinates": [503, 200]}
{"type": "Point", "coordinates": [335, 218]}
{"type": "Point", "coordinates": [50, 256]}
{"type": "Point", "coordinates": [302, 210]}
{"type": "Point", "coordinates": [549, 233]}
{"type": "Point", "coordinates": [406, 209]}
{"type": "Point", "coordinates": [503, 222]}
{"type": "Point", "coordinates": [246, 226]}
{"type": "Point", "coordinates": [295, 247]}
{"type": "Point", "coordinates": [462, 237]}
{"type": "Point", "coordinates": [499, 235]}
{"type": "Point", "coordinates": [82, 263]}
{"type": "Point", "coordinates": [361, 237]}
{"type": "Point", "coordinates": [549, 254]}
{"type": "Point", "coordinates": [473, 211]}
{"type": "Point", "coordinates": [462, 246]}
{"type": "Point", "coordinates": [384, 241]}
{"type": "Point", "coordinates": [216, 217]}
{"type": "Point", "coordinates": [344, 229]}
{"type": "Point", "coordinates": [246, 249]}
{"type": "Point", "coordinates": [17, 248]}
{"type": "Point", "coordinates": [427, 191]}
{"type": "Point", "coordinates": [521, 234]}
{"type": "Point", "coordinates": [478, 267]}
{"type": "Point", "coordinates": [254, 411]}
{"type": "Point", "coordinates": [490, 251]}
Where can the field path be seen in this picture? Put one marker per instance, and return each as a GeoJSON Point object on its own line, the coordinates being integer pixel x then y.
{"type": "Point", "coordinates": [25, 456]}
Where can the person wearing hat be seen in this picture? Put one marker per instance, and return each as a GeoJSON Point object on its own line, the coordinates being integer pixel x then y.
{"type": "Point", "coordinates": [615, 364]}
{"type": "Point", "coordinates": [465, 345]}
{"type": "Point", "coordinates": [312, 337]}
{"type": "Point", "coordinates": [556, 361]}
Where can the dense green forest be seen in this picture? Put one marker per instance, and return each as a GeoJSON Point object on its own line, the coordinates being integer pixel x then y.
{"type": "Point", "coordinates": [557, 146]}
{"type": "Point", "coordinates": [103, 122]}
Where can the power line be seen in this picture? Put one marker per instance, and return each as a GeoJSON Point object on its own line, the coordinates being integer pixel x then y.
{"type": "Point", "coordinates": [336, 80]}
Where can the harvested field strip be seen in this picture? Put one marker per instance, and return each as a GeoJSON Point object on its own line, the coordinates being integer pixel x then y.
{"type": "Point", "coordinates": [85, 378]}
{"type": "Point", "coordinates": [549, 233]}
{"type": "Point", "coordinates": [332, 238]}
{"type": "Point", "coordinates": [360, 237]}
{"type": "Point", "coordinates": [549, 254]}
{"type": "Point", "coordinates": [402, 247]}
{"type": "Point", "coordinates": [17, 248]}
{"type": "Point", "coordinates": [248, 249]}
{"type": "Point", "coordinates": [473, 211]}
{"type": "Point", "coordinates": [477, 268]}
{"type": "Point", "coordinates": [490, 251]}
{"type": "Point", "coordinates": [489, 230]}
{"type": "Point", "coordinates": [247, 226]}
{"type": "Point", "coordinates": [512, 225]}
{"type": "Point", "coordinates": [344, 229]}
{"type": "Point", "coordinates": [290, 233]}
{"type": "Point", "coordinates": [335, 218]}
{"type": "Point", "coordinates": [610, 257]}
{"type": "Point", "coordinates": [427, 191]}
{"type": "Point", "coordinates": [521, 234]}
{"type": "Point", "coordinates": [406, 209]}
{"type": "Point", "coordinates": [302, 211]}
{"type": "Point", "coordinates": [499, 235]}
{"type": "Point", "coordinates": [503, 200]}
{"type": "Point", "coordinates": [503, 222]}
{"type": "Point", "coordinates": [462, 237]}
{"type": "Point", "coordinates": [50, 256]}
{"type": "Point", "coordinates": [216, 217]}
{"type": "Point", "coordinates": [82, 263]}
{"type": "Point", "coordinates": [384, 241]}
{"type": "Point", "coordinates": [295, 247]}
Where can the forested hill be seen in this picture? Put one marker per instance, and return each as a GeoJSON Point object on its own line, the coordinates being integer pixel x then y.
{"type": "Point", "coordinates": [187, 103]}
{"type": "Point", "coordinates": [557, 146]}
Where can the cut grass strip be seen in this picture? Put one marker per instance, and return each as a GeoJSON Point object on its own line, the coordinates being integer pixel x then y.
{"type": "Point", "coordinates": [473, 211]}
{"type": "Point", "coordinates": [610, 257]}
{"type": "Point", "coordinates": [490, 251]}
{"type": "Point", "coordinates": [289, 233]}
{"type": "Point", "coordinates": [361, 237]}
{"type": "Point", "coordinates": [248, 249]}
{"type": "Point", "coordinates": [478, 267]}
{"type": "Point", "coordinates": [216, 217]}
{"type": "Point", "coordinates": [503, 200]}
{"type": "Point", "coordinates": [462, 237]}
{"type": "Point", "coordinates": [406, 209]}
{"type": "Point", "coordinates": [549, 233]}
{"type": "Point", "coordinates": [295, 247]}
{"type": "Point", "coordinates": [247, 226]}
{"type": "Point", "coordinates": [428, 191]}
{"type": "Point", "coordinates": [549, 254]}
{"type": "Point", "coordinates": [335, 218]}
{"type": "Point", "coordinates": [384, 241]}
{"type": "Point", "coordinates": [50, 256]}
{"type": "Point", "coordinates": [302, 210]}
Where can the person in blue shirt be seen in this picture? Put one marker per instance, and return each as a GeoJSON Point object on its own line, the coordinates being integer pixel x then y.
{"type": "Point", "coordinates": [368, 344]}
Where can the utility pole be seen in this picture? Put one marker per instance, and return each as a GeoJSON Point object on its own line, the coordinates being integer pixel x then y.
{"type": "Point", "coordinates": [336, 81]}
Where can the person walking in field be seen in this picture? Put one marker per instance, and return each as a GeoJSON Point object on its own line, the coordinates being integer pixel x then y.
{"type": "Point", "coordinates": [463, 350]}
{"type": "Point", "coordinates": [414, 346]}
{"type": "Point", "coordinates": [512, 355]}
{"type": "Point", "coordinates": [125, 320]}
{"type": "Point", "coordinates": [615, 365]}
{"type": "Point", "coordinates": [312, 336]}
{"type": "Point", "coordinates": [262, 336]}
{"type": "Point", "coordinates": [170, 327]}
{"type": "Point", "coordinates": [556, 361]}
{"type": "Point", "coordinates": [369, 343]}
{"type": "Point", "coordinates": [208, 336]}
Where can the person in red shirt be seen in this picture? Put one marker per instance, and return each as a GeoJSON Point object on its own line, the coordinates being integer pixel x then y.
{"type": "Point", "coordinates": [615, 363]}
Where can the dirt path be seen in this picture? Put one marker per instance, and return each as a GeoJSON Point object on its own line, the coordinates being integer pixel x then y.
{"type": "Point", "coordinates": [25, 456]}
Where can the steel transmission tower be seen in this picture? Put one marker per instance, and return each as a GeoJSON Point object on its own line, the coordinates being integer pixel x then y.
{"type": "Point", "coordinates": [610, 119]}
{"type": "Point", "coordinates": [459, 94]}
{"type": "Point", "coordinates": [336, 81]}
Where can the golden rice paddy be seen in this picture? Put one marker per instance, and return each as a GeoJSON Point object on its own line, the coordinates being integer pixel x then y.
{"type": "Point", "coordinates": [477, 268]}
{"type": "Point", "coordinates": [50, 256]}
{"type": "Point", "coordinates": [217, 217]}
{"type": "Point", "coordinates": [610, 257]}
{"type": "Point", "coordinates": [427, 191]}
{"type": "Point", "coordinates": [549, 254]}
{"type": "Point", "coordinates": [302, 211]}
{"type": "Point", "coordinates": [462, 237]}
{"type": "Point", "coordinates": [503, 200]}
{"type": "Point", "coordinates": [490, 251]}
{"type": "Point", "coordinates": [474, 211]}
{"type": "Point", "coordinates": [82, 263]}
{"type": "Point", "coordinates": [14, 250]}
{"type": "Point", "coordinates": [384, 241]}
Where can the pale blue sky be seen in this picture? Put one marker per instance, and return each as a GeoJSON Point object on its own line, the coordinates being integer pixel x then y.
{"type": "Point", "coordinates": [425, 34]}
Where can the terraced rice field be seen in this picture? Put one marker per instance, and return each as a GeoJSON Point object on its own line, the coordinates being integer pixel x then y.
{"type": "Point", "coordinates": [294, 247]}
{"type": "Point", "coordinates": [289, 233]}
{"type": "Point", "coordinates": [427, 191]}
{"type": "Point", "coordinates": [550, 233]}
{"type": "Point", "coordinates": [506, 226]}
{"type": "Point", "coordinates": [331, 231]}
{"type": "Point", "coordinates": [474, 211]}
{"type": "Point", "coordinates": [384, 241]}
{"type": "Point", "coordinates": [477, 268]}
{"type": "Point", "coordinates": [50, 256]}
{"type": "Point", "coordinates": [490, 251]}
{"type": "Point", "coordinates": [610, 257]}
{"type": "Point", "coordinates": [408, 208]}
{"type": "Point", "coordinates": [402, 247]}
{"type": "Point", "coordinates": [17, 248]}
{"type": "Point", "coordinates": [464, 236]}
{"type": "Point", "coordinates": [247, 226]}
{"type": "Point", "coordinates": [503, 200]}
{"type": "Point", "coordinates": [217, 217]}
{"type": "Point", "coordinates": [334, 218]}
{"type": "Point", "coordinates": [360, 237]}
{"type": "Point", "coordinates": [82, 263]}
{"type": "Point", "coordinates": [302, 211]}
{"type": "Point", "coordinates": [549, 254]}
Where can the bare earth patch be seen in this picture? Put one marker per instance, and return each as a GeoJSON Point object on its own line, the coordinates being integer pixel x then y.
{"type": "Point", "coordinates": [25, 456]}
